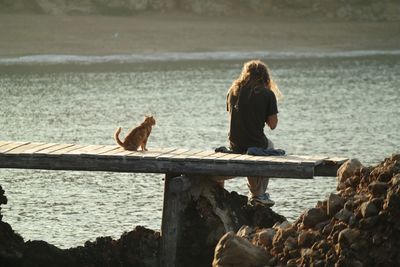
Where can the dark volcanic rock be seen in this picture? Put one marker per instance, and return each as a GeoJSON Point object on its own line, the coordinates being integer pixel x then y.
{"type": "Point", "coordinates": [314, 216]}
{"type": "Point", "coordinates": [136, 248]}
{"type": "Point", "coordinates": [11, 244]}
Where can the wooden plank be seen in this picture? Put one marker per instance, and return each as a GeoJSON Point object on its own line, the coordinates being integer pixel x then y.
{"type": "Point", "coordinates": [282, 160]}
{"type": "Point", "coordinates": [64, 150]}
{"type": "Point", "coordinates": [131, 154]}
{"type": "Point", "coordinates": [84, 149]}
{"type": "Point", "coordinates": [200, 155]}
{"type": "Point", "coordinates": [3, 143]}
{"type": "Point", "coordinates": [185, 155]}
{"type": "Point", "coordinates": [12, 146]}
{"type": "Point", "coordinates": [272, 159]}
{"type": "Point", "coordinates": [124, 164]}
{"type": "Point", "coordinates": [112, 152]}
{"type": "Point", "coordinates": [99, 151]}
{"type": "Point", "coordinates": [306, 158]}
{"type": "Point", "coordinates": [102, 152]}
{"type": "Point", "coordinates": [153, 154]}
{"type": "Point", "coordinates": [214, 156]}
{"type": "Point", "coordinates": [23, 148]}
{"type": "Point", "coordinates": [227, 157]}
{"type": "Point", "coordinates": [47, 151]}
{"type": "Point", "coordinates": [38, 148]}
{"type": "Point", "coordinates": [90, 149]}
{"type": "Point", "coordinates": [171, 154]}
{"type": "Point", "coordinates": [243, 158]}
{"type": "Point", "coordinates": [338, 160]}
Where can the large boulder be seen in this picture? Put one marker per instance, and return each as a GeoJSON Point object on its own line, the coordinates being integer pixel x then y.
{"type": "Point", "coordinates": [235, 251]}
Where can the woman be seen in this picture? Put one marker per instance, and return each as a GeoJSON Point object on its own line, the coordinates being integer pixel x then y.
{"type": "Point", "coordinates": [251, 103]}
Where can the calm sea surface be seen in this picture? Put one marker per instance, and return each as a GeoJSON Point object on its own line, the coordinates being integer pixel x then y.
{"type": "Point", "coordinates": [344, 106]}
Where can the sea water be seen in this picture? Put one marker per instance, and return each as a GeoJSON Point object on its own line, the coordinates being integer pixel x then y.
{"type": "Point", "coordinates": [338, 104]}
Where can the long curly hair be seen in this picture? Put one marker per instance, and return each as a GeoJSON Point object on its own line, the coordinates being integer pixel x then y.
{"type": "Point", "coordinates": [254, 76]}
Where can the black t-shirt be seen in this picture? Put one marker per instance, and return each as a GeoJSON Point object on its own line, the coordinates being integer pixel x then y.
{"type": "Point", "coordinates": [249, 116]}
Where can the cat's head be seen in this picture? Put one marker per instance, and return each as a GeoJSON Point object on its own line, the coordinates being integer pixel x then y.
{"type": "Point", "coordinates": [150, 120]}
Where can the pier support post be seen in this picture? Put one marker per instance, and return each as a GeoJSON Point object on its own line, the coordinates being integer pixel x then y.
{"type": "Point", "coordinates": [176, 198]}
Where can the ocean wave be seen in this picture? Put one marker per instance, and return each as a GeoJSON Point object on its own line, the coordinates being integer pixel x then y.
{"type": "Point", "coordinates": [186, 56]}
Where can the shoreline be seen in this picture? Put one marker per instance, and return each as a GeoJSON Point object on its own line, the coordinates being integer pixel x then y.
{"type": "Point", "coordinates": [160, 57]}
{"type": "Point", "coordinates": [26, 34]}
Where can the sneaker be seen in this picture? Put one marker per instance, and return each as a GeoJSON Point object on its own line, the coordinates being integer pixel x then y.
{"type": "Point", "coordinates": [264, 199]}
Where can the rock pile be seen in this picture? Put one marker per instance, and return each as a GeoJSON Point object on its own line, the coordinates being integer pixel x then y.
{"type": "Point", "coordinates": [357, 226]}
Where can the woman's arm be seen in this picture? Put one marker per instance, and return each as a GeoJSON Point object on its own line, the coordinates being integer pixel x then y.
{"type": "Point", "coordinates": [272, 121]}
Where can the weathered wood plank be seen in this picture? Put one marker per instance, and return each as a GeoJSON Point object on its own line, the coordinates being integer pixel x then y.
{"type": "Point", "coordinates": [176, 155]}
{"type": "Point", "coordinates": [131, 154]}
{"type": "Point", "coordinates": [245, 157]}
{"type": "Point", "coordinates": [154, 153]}
{"type": "Point", "coordinates": [176, 200]}
{"type": "Point", "coordinates": [329, 166]}
{"type": "Point", "coordinates": [64, 150]}
{"type": "Point", "coordinates": [200, 155]}
{"type": "Point", "coordinates": [227, 157]}
{"type": "Point", "coordinates": [89, 149]}
{"type": "Point", "coordinates": [213, 157]}
{"type": "Point", "coordinates": [317, 158]}
{"type": "Point", "coordinates": [113, 152]}
{"type": "Point", "coordinates": [84, 149]}
{"type": "Point", "coordinates": [283, 160]}
{"type": "Point", "coordinates": [185, 155]}
{"type": "Point", "coordinates": [3, 143]}
{"type": "Point", "coordinates": [173, 153]}
{"type": "Point", "coordinates": [51, 149]}
{"type": "Point", "coordinates": [335, 160]}
{"type": "Point", "coordinates": [99, 151]}
{"type": "Point", "coordinates": [22, 149]}
{"type": "Point", "coordinates": [38, 148]}
{"type": "Point", "coordinates": [11, 146]}
{"type": "Point", "coordinates": [124, 164]}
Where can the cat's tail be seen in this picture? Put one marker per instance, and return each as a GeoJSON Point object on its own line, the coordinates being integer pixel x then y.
{"type": "Point", "coordinates": [116, 134]}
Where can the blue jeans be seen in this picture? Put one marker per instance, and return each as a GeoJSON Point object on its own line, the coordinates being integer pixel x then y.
{"type": "Point", "coordinates": [258, 185]}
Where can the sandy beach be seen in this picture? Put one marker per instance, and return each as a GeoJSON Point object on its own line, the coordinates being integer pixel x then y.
{"type": "Point", "coordinates": [25, 34]}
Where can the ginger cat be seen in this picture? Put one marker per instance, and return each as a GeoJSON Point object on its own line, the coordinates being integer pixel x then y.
{"type": "Point", "coordinates": [138, 136]}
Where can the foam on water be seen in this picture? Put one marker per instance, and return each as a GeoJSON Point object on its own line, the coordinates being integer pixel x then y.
{"type": "Point", "coordinates": [185, 56]}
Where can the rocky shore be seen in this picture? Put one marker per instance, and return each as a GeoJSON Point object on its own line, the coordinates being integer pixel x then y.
{"type": "Point", "coordinates": [356, 226]}
{"type": "Point", "coordinates": [210, 213]}
{"type": "Point", "coordinates": [387, 10]}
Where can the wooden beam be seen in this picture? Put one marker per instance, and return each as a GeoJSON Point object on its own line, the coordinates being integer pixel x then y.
{"type": "Point", "coordinates": [117, 163]}
{"type": "Point", "coordinates": [176, 199]}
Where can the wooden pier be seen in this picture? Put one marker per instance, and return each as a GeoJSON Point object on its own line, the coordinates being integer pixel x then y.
{"type": "Point", "coordinates": [173, 162]}
{"type": "Point", "coordinates": [26, 155]}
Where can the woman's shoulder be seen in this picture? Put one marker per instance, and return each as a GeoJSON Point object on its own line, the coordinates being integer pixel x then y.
{"type": "Point", "coordinates": [265, 92]}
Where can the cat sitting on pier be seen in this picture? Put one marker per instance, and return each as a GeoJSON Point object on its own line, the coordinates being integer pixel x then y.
{"type": "Point", "coordinates": [138, 136]}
